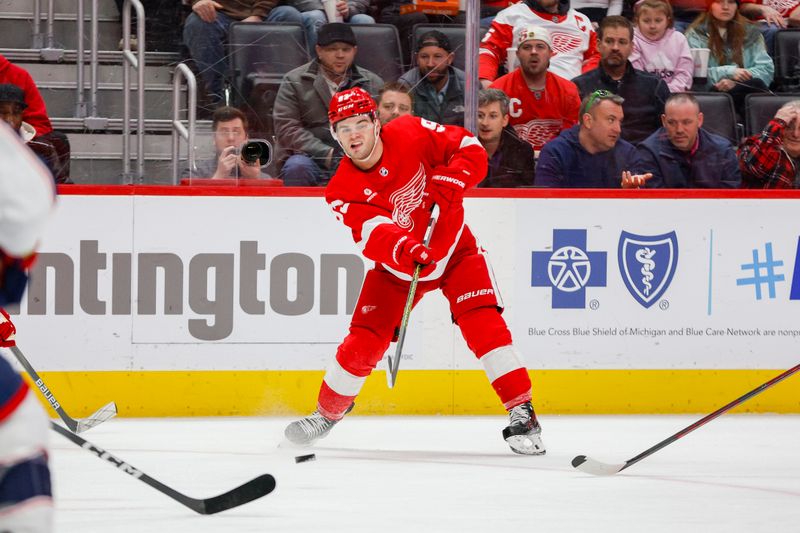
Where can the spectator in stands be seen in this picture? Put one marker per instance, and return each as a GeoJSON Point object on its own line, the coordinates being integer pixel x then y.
{"type": "Point", "coordinates": [394, 100]}
{"type": "Point", "coordinates": [682, 155]}
{"type": "Point", "coordinates": [771, 159]}
{"type": "Point", "coordinates": [771, 16]}
{"type": "Point", "coordinates": [12, 106]}
{"type": "Point", "coordinates": [597, 10]}
{"type": "Point", "coordinates": [401, 14]}
{"type": "Point", "coordinates": [575, 50]}
{"type": "Point", "coordinates": [230, 129]}
{"type": "Point", "coordinates": [738, 63]}
{"type": "Point", "coordinates": [659, 49]}
{"type": "Point", "coordinates": [490, 9]}
{"type": "Point", "coordinates": [511, 159]}
{"type": "Point", "coordinates": [314, 17]}
{"type": "Point", "coordinates": [35, 114]}
{"type": "Point", "coordinates": [542, 103]}
{"type": "Point", "coordinates": [592, 154]}
{"type": "Point", "coordinates": [644, 94]}
{"type": "Point", "coordinates": [309, 152]}
{"type": "Point", "coordinates": [437, 86]}
{"type": "Point", "coordinates": [206, 30]}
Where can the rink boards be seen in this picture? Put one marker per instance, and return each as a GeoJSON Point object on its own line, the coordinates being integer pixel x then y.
{"type": "Point", "coordinates": [181, 301]}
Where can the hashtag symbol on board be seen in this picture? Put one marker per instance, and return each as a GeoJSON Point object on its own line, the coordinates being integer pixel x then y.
{"type": "Point", "coordinates": [763, 272]}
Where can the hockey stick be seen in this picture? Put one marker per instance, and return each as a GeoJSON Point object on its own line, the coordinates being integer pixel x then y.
{"type": "Point", "coordinates": [394, 364]}
{"type": "Point", "coordinates": [591, 466]}
{"type": "Point", "coordinates": [252, 490]}
{"type": "Point", "coordinates": [76, 426]}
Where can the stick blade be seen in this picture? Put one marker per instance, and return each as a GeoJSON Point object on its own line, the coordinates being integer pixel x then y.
{"type": "Point", "coordinates": [252, 490]}
{"type": "Point", "coordinates": [98, 417]}
{"type": "Point", "coordinates": [588, 465]}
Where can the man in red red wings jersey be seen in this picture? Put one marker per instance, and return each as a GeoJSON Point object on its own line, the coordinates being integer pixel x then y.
{"type": "Point", "coordinates": [383, 192]}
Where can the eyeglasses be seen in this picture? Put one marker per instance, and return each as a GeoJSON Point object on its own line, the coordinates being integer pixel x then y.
{"type": "Point", "coordinates": [596, 96]}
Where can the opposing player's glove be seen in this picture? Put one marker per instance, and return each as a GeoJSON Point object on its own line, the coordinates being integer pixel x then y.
{"type": "Point", "coordinates": [408, 252]}
{"type": "Point", "coordinates": [447, 187]}
{"type": "Point", "coordinates": [7, 330]}
{"type": "Point", "coordinates": [13, 277]}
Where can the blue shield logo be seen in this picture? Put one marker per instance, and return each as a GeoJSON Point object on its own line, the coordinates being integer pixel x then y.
{"type": "Point", "coordinates": [647, 264]}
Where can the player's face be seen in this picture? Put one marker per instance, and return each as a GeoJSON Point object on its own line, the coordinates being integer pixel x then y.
{"type": "Point", "coordinates": [653, 23]}
{"type": "Point", "coordinates": [230, 133]}
{"type": "Point", "coordinates": [491, 122]}
{"type": "Point", "coordinates": [11, 114]}
{"type": "Point", "coordinates": [723, 10]}
{"type": "Point", "coordinates": [791, 138]}
{"type": "Point", "coordinates": [605, 126]}
{"type": "Point", "coordinates": [336, 57]}
{"type": "Point", "coordinates": [534, 57]}
{"type": "Point", "coordinates": [393, 104]}
{"type": "Point", "coordinates": [433, 62]}
{"type": "Point", "coordinates": [682, 120]}
{"type": "Point", "coordinates": [357, 136]}
{"type": "Point", "coordinates": [615, 47]}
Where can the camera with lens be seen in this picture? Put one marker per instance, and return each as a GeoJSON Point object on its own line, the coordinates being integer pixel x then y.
{"type": "Point", "coordinates": [256, 151]}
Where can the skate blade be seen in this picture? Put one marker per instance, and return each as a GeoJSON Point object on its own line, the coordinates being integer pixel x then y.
{"type": "Point", "coordinates": [526, 444]}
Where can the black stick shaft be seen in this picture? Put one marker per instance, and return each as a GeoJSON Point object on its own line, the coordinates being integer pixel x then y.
{"type": "Point", "coordinates": [706, 419]}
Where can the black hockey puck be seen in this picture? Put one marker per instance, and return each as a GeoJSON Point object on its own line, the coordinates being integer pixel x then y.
{"type": "Point", "coordinates": [305, 458]}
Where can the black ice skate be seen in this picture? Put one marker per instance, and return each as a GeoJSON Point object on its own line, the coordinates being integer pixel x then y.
{"type": "Point", "coordinates": [523, 433]}
{"type": "Point", "coordinates": [308, 430]}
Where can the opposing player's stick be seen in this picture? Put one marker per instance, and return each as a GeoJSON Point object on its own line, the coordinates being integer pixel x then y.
{"type": "Point", "coordinates": [591, 466]}
{"type": "Point", "coordinates": [76, 426]}
{"type": "Point", "coordinates": [252, 490]}
{"type": "Point", "coordinates": [394, 364]}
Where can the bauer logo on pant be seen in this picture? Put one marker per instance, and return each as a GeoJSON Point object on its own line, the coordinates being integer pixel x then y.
{"type": "Point", "coordinates": [647, 264]}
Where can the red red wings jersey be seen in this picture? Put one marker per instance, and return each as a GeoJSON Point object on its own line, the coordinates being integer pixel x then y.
{"type": "Point", "coordinates": [574, 41]}
{"type": "Point", "coordinates": [538, 120]}
{"type": "Point", "coordinates": [388, 201]}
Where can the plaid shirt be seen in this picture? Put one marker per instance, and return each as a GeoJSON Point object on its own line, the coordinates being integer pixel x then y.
{"type": "Point", "coordinates": [763, 161]}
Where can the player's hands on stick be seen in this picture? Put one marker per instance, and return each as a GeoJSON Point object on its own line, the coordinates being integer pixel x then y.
{"type": "Point", "coordinates": [409, 252]}
{"type": "Point", "coordinates": [7, 330]}
{"type": "Point", "coordinates": [447, 187]}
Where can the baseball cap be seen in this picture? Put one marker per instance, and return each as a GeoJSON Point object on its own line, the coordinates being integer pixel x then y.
{"type": "Point", "coordinates": [336, 32]}
{"type": "Point", "coordinates": [434, 38]}
{"type": "Point", "coordinates": [11, 93]}
{"type": "Point", "coordinates": [536, 33]}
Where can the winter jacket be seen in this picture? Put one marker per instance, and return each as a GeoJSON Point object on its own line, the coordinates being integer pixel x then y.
{"type": "Point", "coordinates": [712, 166]}
{"type": "Point", "coordinates": [301, 110]}
{"type": "Point", "coordinates": [512, 164]}
{"type": "Point", "coordinates": [451, 110]}
{"type": "Point", "coordinates": [764, 162]}
{"type": "Point", "coordinates": [755, 56]}
{"type": "Point", "coordinates": [668, 58]}
{"type": "Point", "coordinates": [563, 162]}
{"type": "Point", "coordinates": [644, 94]}
{"type": "Point", "coordinates": [36, 112]}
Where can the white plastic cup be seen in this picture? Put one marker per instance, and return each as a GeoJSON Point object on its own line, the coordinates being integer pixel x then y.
{"type": "Point", "coordinates": [700, 57]}
{"type": "Point", "coordinates": [331, 12]}
{"type": "Point", "coordinates": [511, 59]}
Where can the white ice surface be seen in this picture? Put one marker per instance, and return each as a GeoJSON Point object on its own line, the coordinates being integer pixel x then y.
{"type": "Point", "coordinates": [438, 474]}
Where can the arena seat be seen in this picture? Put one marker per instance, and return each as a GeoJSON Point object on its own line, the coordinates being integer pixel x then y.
{"type": "Point", "coordinates": [379, 50]}
{"type": "Point", "coordinates": [718, 115]}
{"type": "Point", "coordinates": [787, 53]}
{"type": "Point", "coordinates": [760, 108]}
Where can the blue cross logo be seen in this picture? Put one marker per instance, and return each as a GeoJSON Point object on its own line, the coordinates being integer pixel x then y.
{"type": "Point", "coordinates": [568, 269]}
{"type": "Point", "coordinates": [794, 294]}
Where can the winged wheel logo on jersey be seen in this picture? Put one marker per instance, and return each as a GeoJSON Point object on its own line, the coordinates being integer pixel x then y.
{"type": "Point", "coordinates": [564, 42]}
{"type": "Point", "coordinates": [407, 198]}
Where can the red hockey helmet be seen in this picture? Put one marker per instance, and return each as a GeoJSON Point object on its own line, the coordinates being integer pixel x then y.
{"type": "Point", "coordinates": [349, 103]}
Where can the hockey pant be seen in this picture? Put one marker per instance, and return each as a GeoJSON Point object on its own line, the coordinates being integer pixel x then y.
{"type": "Point", "coordinates": [468, 285]}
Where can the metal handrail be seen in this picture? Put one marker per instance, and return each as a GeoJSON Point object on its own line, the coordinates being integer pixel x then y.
{"type": "Point", "coordinates": [80, 97]}
{"type": "Point", "coordinates": [37, 42]}
{"type": "Point", "coordinates": [178, 129]}
{"type": "Point", "coordinates": [137, 62]}
{"type": "Point", "coordinates": [45, 43]}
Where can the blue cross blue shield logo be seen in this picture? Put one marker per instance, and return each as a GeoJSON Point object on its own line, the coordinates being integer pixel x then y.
{"type": "Point", "coordinates": [647, 264]}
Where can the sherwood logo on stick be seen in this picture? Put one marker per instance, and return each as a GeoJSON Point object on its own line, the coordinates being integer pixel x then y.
{"type": "Point", "coordinates": [296, 282]}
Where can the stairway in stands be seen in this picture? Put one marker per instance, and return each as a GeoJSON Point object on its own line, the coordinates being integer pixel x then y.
{"type": "Point", "coordinates": [96, 154]}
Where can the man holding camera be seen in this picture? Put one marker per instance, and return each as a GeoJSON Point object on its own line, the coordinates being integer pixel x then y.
{"type": "Point", "coordinates": [230, 134]}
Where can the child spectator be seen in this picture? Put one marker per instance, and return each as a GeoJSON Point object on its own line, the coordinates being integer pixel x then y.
{"type": "Point", "coordinates": [739, 63]}
{"type": "Point", "coordinates": [658, 48]}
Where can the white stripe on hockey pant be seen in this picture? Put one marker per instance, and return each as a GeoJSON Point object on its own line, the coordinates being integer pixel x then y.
{"type": "Point", "coordinates": [492, 280]}
{"type": "Point", "coordinates": [368, 227]}
{"type": "Point", "coordinates": [343, 382]}
{"type": "Point", "coordinates": [501, 361]}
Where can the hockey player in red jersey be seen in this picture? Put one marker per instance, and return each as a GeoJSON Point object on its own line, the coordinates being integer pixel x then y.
{"type": "Point", "coordinates": [383, 192]}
